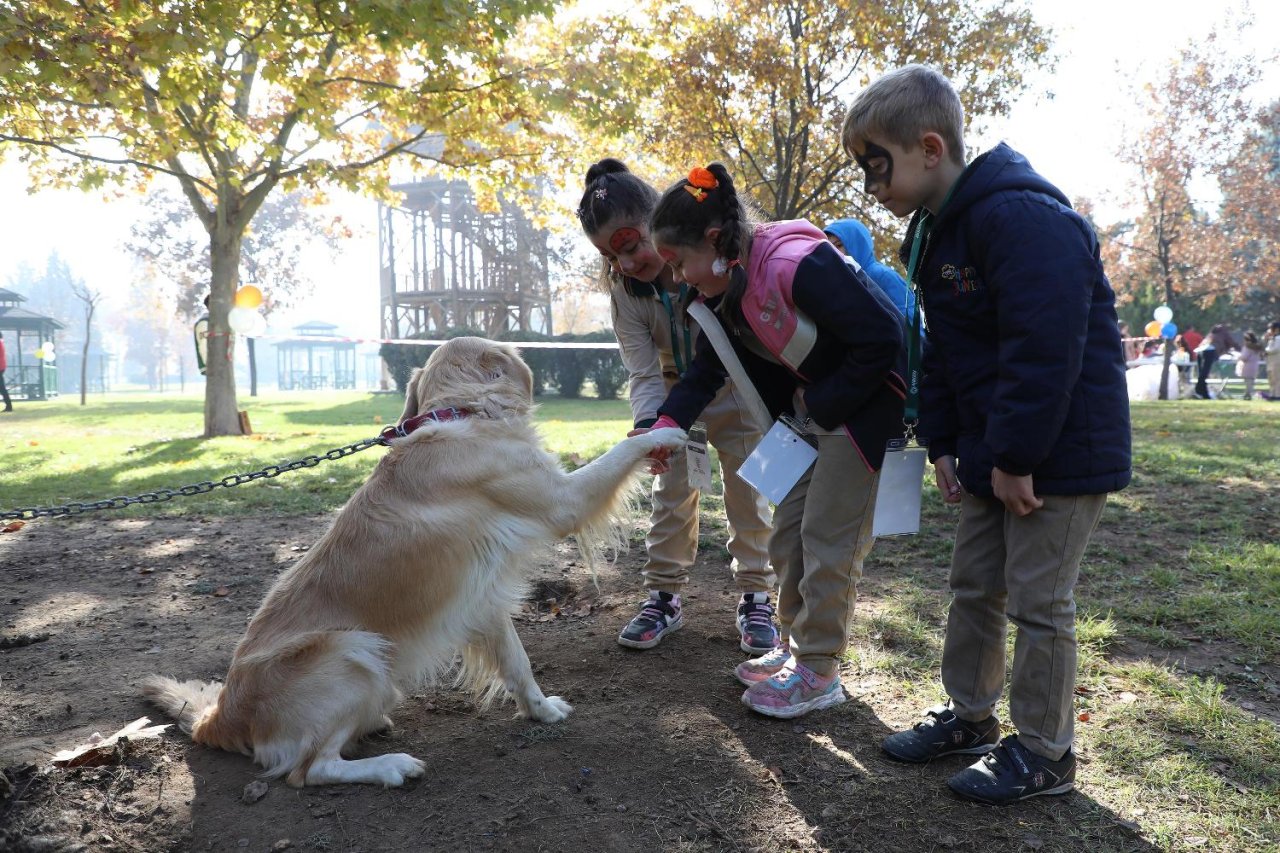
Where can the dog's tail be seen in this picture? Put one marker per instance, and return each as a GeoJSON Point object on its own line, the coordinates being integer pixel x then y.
{"type": "Point", "coordinates": [188, 702]}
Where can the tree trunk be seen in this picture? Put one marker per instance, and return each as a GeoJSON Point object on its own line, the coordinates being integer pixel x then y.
{"type": "Point", "coordinates": [253, 369]}
{"type": "Point", "coordinates": [221, 412]}
{"type": "Point", "coordinates": [84, 353]}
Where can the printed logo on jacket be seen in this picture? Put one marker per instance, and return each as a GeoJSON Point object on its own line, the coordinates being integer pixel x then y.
{"type": "Point", "coordinates": [963, 279]}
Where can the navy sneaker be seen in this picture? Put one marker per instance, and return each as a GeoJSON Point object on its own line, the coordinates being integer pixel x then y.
{"type": "Point", "coordinates": [659, 617]}
{"type": "Point", "coordinates": [758, 634]}
{"type": "Point", "coordinates": [942, 733]}
{"type": "Point", "coordinates": [1011, 773]}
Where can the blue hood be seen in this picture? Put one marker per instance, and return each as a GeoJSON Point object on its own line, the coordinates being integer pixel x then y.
{"type": "Point", "coordinates": [857, 244]}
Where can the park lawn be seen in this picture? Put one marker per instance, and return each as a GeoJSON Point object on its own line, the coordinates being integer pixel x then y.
{"type": "Point", "coordinates": [57, 452]}
{"type": "Point", "coordinates": [1179, 594]}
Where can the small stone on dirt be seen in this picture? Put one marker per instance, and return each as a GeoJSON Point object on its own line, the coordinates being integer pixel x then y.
{"type": "Point", "coordinates": [254, 791]}
{"type": "Point", "coordinates": [282, 844]}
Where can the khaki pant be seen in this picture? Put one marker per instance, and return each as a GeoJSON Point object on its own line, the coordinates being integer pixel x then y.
{"type": "Point", "coordinates": [672, 543]}
{"type": "Point", "coordinates": [1019, 569]}
{"type": "Point", "coordinates": [822, 533]}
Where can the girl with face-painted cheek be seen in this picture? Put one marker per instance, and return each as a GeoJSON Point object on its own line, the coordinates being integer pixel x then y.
{"type": "Point", "coordinates": [657, 342]}
{"type": "Point", "coordinates": [802, 318]}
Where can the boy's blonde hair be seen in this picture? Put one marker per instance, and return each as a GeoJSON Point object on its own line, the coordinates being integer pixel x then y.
{"type": "Point", "coordinates": [904, 104]}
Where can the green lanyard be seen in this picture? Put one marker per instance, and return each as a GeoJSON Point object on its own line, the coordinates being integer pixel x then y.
{"type": "Point", "coordinates": [671, 319]}
{"type": "Point", "coordinates": [911, 408]}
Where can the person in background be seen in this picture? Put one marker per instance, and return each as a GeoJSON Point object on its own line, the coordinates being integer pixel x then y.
{"type": "Point", "coordinates": [1247, 364]}
{"type": "Point", "coordinates": [4, 364]}
{"type": "Point", "coordinates": [1213, 346]}
{"type": "Point", "coordinates": [657, 342]}
{"type": "Point", "coordinates": [1272, 339]}
{"type": "Point", "coordinates": [853, 239]}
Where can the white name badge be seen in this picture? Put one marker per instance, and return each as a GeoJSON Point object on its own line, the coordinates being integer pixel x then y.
{"type": "Point", "coordinates": [779, 461]}
{"type": "Point", "coordinates": [697, 461]}
{"type": "Point", "coordinates": [898, 495]}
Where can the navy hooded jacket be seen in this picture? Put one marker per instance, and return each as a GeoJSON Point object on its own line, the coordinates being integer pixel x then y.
{"type": "Point", "coordinates": [1024, 368]}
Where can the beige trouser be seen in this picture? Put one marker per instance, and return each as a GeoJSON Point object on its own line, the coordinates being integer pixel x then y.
{"type": "Point", "coordinates": [1020, 569]}
{"type": "Point", "coordinates": [821, 535]}
{"type": "Point", "coordinates": [672, 542]}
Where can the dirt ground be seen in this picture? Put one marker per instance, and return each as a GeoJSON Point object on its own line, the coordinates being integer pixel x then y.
{"type": "Point", "coordinates": [659, 754]}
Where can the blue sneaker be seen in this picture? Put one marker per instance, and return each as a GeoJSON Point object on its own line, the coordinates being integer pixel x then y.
{"type": "Point", "coordinates": [1011, 772]}
{"type": "Point", "coordinates": [759, 635]}
{"type": "Point", "coordinates": [659, 617]}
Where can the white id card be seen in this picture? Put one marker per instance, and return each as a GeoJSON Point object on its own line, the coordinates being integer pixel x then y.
{"type": "Point", "coordinates": [779, 461]}
{"type": "Point", "coordinates": [697, 461]}
{"type": "Point", "coordinates": [898, 495]}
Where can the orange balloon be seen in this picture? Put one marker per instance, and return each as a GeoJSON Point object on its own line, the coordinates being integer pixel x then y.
{"type": "Point", "coordinates": [1153, 329]}
{"type": "Point", "coordinates": [251, 297]}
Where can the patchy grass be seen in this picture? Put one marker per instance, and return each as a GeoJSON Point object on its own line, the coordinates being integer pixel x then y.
{"type": "Point", "coordinates": [57, 452]}
{"type": "Point", "coordinates": [1179, 595]}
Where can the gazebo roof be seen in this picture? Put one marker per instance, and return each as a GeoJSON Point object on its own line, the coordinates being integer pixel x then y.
{"type": "Point", "coordinates": [20, 319]}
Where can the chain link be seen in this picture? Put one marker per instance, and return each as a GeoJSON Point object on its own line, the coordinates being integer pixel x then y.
{"type": "Point", "coordinates": [161, 495]}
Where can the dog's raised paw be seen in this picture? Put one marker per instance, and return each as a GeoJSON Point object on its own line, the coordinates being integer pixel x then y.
{"type": "Point", "coordinates": [668, 438]}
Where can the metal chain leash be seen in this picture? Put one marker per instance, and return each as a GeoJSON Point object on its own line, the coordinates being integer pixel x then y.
{"type": "Point", "coordinates": [161, 495]}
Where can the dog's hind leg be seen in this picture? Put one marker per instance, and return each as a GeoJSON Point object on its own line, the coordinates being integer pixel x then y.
{"type": "Point", "coordinates": [499, 653]}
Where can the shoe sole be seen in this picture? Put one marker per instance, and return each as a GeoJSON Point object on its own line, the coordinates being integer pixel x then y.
{"type": "Point", "coordinates": [648, 644]}
{"type": "Point", "coordinates": [1048, 792]}
{"type": "Point", "coordinates": [826, 700]}
{"type": "Point", "coordinates": [981, 749]}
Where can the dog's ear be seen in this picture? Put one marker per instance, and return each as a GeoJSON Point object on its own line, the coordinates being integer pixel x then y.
{"type": "Point", "coordinates": [411, 396]}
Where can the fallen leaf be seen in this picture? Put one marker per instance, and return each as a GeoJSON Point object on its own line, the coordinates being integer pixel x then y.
{"type": "Point", "coordinates": [1084, 718]}
{"type": "Point", "coordinates": [1128, 698]}
{"type": "Point", "coordinates": [1196, 840]}
{"type": "Point", "coordinates": [775, 772]}
{"type": "Point", "coordinates": [222, 591]}
{"type": "Point", "coordinates": [13, 526]}
{"type": "Point", "coordinates": [100, 750]}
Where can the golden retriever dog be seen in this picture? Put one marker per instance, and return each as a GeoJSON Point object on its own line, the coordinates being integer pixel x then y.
{"type": "Point", "coordinates": [430, 557]}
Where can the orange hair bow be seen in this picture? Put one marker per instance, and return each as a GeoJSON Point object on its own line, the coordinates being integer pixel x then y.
{"type": "Point", "coordinates": [700, 180]}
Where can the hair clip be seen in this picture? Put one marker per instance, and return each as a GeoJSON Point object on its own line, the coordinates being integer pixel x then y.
{"type": "Point", "coordinates": [703, 178]}
{"type": "Point", "coordinates": [601, 193]}
{"type": "Point", "coordinates": [699, 195]}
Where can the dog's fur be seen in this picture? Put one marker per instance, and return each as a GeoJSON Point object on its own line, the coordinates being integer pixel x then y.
{"type": "Point", "coordinates": [429, 557]}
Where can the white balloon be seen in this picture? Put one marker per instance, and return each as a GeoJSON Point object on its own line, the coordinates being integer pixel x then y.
{"type": "Point", "coordinates": [1163, 314]}
{"type": "Point", "coordinates": [246, 321]}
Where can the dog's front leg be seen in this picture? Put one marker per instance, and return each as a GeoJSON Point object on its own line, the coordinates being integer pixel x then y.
{"type": "Point", "coordinates": [507, 657]}
{"type": "Point", "coordinates": [590, 492]}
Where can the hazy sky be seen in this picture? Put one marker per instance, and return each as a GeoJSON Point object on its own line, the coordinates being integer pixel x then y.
{"type": "Point", "coordinates": [1105, 48]}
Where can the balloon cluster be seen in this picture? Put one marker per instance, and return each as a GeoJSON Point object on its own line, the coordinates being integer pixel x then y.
{"type": "Point", "coordinates": [1162, 325]}
{"type": "Point", "coordinates": [244, 319]}
{"type": "Point", "coordinates": [45, 352]}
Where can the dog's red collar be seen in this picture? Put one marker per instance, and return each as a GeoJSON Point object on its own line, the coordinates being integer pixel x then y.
{"type": "Point", "coordinates": [449, 413]}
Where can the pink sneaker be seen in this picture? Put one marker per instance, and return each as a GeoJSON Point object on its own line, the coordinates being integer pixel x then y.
{"type": "Point", "coordinates": [794, 691]}
{"type": "Point", "coordinates": [756, 670]}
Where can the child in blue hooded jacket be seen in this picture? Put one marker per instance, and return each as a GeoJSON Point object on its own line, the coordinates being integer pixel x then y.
{"type": "Point", "coordinates": [853, 239]}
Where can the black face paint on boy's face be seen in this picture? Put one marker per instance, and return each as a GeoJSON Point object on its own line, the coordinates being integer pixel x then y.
{"type": "Point", "coordinates": [877, 167]}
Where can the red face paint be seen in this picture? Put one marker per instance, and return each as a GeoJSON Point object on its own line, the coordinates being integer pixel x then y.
{"type": "Point", "coordinates": [622, 238]}
{"type": "Point", "coordinates": [667, 255]}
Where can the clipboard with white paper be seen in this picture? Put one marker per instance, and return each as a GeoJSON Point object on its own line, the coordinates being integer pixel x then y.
{"type": "Point", "coordinates": [779, 461]}
{"type": "Point", "coordinates": [901, 486]}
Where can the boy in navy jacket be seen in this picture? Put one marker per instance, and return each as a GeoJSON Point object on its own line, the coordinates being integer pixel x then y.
{"type": "Point", "coordinates": [1024, 406]}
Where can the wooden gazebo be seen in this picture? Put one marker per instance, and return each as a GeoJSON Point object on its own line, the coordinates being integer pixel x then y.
{"type": "Point", "coordinates": [304, 365]}
{"type": "Point", "coordinates": [24, 331]}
